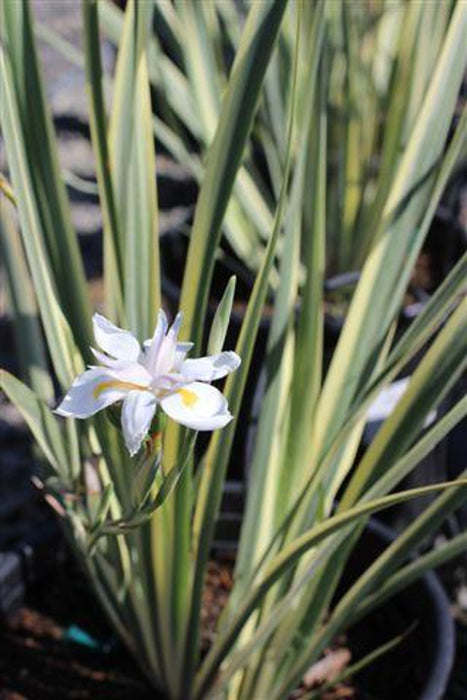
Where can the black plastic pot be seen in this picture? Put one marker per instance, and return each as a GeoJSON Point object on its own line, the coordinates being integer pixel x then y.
{"type": "Point", "coordinates": [29, 532]}
{"type": "Point", "coordinates": [419, 667]}
{"type": "Point", "coordinates": [29, 560]}
{"type": "Point", "coordinates": [423, 661]}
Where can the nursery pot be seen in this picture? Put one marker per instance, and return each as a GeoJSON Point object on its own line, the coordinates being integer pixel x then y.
{"type": "Point", "coordinates": [420, 666]}
{"type": "Point", "coordinates": [29, 533]}
{"type": "Point", "coordinates": [417, 669]}
{"type": "Point", "coordinates": [444, 245]}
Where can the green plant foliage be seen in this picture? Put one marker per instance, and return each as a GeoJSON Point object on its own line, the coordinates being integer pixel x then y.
{"type": "Point", "coordinates": [350, 106]}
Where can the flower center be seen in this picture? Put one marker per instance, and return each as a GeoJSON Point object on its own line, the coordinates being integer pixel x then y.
{"type": "Point", "coordinates": [116, 384]}
{"type": "Point", "coordinates": [189, 398]}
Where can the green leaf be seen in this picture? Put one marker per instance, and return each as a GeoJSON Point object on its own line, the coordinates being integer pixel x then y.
{"type": "Point", "coordinates": [442, 553]}
{"type": "Point", "coordinates": [57, 331]}
{"type": "Point", "coordinates": [221, 319]}
{"type": "Point", "coordinates": [442, 365]}
{"type": "Point", "coordinates": [271, 470]}
{"type": "Point", "coordinates": [200, 64]}
{"type": "Point", "coordinates": [24, 96]}
{"type": "Point", "coordinates": [113, 254]}
{"type": "Point", "coordinates": [170, 480]}
{"type": "Point", "coordinates": [41, 422]}
{"type": "Point", "coordinates": [215, 464]}
{"type": "Point", "coordinates": [404, 223]}
{"type": "Point", "coordinates": [225, 156]}
{"type": "Point", "coordinates": [104, 505]}
{"type": "Point", "coordinates": [133, 168]}
{"type": "Point", "coordinates": [287, 557]}
{"type": "Point", "coordinates": [310, 205]}
{"type": "Point", "coordinates": [28, 337]}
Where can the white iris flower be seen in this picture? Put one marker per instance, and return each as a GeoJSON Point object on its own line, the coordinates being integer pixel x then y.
{"type": "Point", "coordinates": [157, 375]}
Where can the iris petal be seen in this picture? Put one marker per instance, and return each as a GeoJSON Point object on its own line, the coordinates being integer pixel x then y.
{"type": "Point", "coordinates": [141, 379]}
{"type": "Point", "coordinates": [212, 367]}
{"type": "Point", "coordinates": [92, 391]}
{"type": "Point", "coordinates": [152, 347]}
{"type": "Point", "coordinates": [198, 406]}
{"type": "Point", "coordinates": [167, 351]}
{"type": "Point", "coordinates": [114, 341]}
{"type": "Point", "coordinates": [137, 413]}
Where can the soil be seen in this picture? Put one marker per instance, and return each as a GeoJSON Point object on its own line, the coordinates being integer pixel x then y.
{"type": "Point", "coordinates": [38, 662]}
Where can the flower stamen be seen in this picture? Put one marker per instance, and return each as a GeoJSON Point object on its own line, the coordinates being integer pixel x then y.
{"type": "Point", "coordinates": [189, 398]}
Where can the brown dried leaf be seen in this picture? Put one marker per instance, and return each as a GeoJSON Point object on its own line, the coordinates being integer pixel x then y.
{"type": "Point", "coordinates": [328, 668]}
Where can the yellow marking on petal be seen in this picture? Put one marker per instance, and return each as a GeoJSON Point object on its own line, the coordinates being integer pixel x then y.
{"type": "Point", "coordinates": [115, 384]}
{"type": "Point", "coordinates": [189, 398]}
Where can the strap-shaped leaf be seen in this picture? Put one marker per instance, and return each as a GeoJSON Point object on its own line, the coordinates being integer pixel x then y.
{"type": "Point", "coordinates": [113, 255]}
{"type": "Point", "coordinates": [272, 467]}
{"type": "Point", "coordinates": [377, 573]}
{"type": "Point", "coordinates": [411, 572]}
{"type": "Point", "coordinates": [28, 335]}
{"type": "Point", "coordinates": [25, 95]}
{"type": "Point", "coordinates": [290, 555]}
{"type": "Point", "coordinates": [133, 168]}
{"type": "Point", "coordinates": [225, 156]}
{"type": "Point", "coordinates": [221, 319]}
{"type": "Point", "coordinates": [200, 64]}
{"type": "Point", "coordinates": [57, 331]}
{"type": "Point", "coordinates": [403, 226]}
{"type": "Point", "coordinates": [215, 464]}
{"type": "Point", "coordinates": [41, 422]}
{"type": "Point", "coordinates": [442, 365]}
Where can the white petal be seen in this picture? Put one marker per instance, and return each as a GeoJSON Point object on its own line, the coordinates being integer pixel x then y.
{"type": "Point", "coordinates": [181, 350]}
{"type": "Point", "coordinates": [167, 383]}
{"type": "Point", "coordinates": [161, 325]}
{"type": "Point", "coordinates": [92, 391]}
{"type": "Point", "coordinates": [107, 361]}
{"type": "Point", "coordinates": [152, 347]}
{"type": "Point", "coordinates": [115, 341]}
{"type": "Point", "coordinates": [207, 369]}
{"type": "Point", "coordinates": [386, 401]}
{"type": "Point", "coordinates": [166, 355]}
{"type": "Point", "coordinates": [198, 406]}
{"type": "Point", "coordinates": [133, 372]}
{"type": "Point", "coordinates": [137, 413]}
